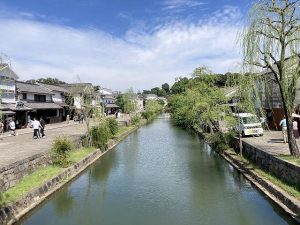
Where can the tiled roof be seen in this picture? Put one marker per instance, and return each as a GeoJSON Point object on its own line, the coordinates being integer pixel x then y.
{"type": "Point", "coordinates": [43, 105]}
{"type": "Point", "coordinates": [79, 87]}
{"type": "Point", "coordinates": [32, 88]}
{"type": "Point", "coordinates": [6, 71]}
{"type": "Point", "coordinates": [54, 87]}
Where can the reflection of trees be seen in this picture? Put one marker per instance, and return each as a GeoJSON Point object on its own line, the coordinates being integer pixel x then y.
{"type": "Point", "coordinates": [64, 202]}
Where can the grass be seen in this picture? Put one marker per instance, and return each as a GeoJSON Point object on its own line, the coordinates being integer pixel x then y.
{"type": "Point", "coordinates": [41, 176]}
{"type": "Point", "coordinates": [291, 159]}
{"type": "Point", "coordinates": [77, 155]}
{"type": "Point", "coordinates": [293, 191]}
{"type": "Point", "coordinates": [123, 129]}
{"type": "Point", "coordinates": [31, 182]}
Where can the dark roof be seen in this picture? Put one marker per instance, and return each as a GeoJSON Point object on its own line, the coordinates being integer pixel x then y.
{"type": "Point", "coordinates": [79, 87]}
{"type": "Point", "coordinates": [54, 87]}
{"type": "Point", "coordinates": [32, 88]}
{"type": "Point", "coordinates": [6, 71]}
{"type": "Point", "coordinates": [43, 105]}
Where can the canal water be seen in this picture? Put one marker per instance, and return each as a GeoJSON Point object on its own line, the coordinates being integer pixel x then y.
{"type": "Point", "coordinates": [159, 175]}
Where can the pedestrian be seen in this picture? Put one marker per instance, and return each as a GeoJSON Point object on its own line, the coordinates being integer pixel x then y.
{"type": "Point", "coordinates": [81, 118]}
{"type": "Point", "coordinates": [42, 128]}
{"type": "Point", "coordinates": [1, 127]}
{"type": "Point", "coordinates": [284, 129]}
{"type": "Point", "coordinates": [295, 129]}
{"type": "Point", "coordinates": [68, 118]}
{"type": "Point", "coordinates": [12, 127]}
{"type": "Point", "coordinates": [36, 126]}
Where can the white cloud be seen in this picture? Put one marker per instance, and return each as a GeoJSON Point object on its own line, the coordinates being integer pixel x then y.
{"type": "Point", "coordinates": [176, 4]}
{"type": "Point", "coordinates": [140, 59]}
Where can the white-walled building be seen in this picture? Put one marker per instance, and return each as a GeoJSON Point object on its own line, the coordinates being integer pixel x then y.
{"type": "Point", "coordinates": [7, 84]}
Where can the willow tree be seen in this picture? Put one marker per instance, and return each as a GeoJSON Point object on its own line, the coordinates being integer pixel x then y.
{"type": "Point", "coordinates": [272, 42]}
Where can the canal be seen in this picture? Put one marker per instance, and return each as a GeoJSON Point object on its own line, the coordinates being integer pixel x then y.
{"type": "Point", "coordinates": [159, 175]}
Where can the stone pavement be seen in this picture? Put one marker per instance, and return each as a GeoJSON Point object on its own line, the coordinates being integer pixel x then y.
{"type": "Point", "coordinates": [22, 146]}
{"type": "Point", "coordinates": [271, 142]}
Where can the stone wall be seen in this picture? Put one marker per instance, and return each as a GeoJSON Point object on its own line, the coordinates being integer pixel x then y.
{"type": "Point", "coordinates": [286, 171]}
{"type": "Point", "coordinates": [12, 174]}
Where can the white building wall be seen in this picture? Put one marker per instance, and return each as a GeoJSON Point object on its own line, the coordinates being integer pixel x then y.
{"type": "Point", "coordinates": [57, 97]}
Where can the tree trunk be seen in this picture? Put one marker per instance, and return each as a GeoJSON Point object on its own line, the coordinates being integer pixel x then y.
{"type": "Point", "coordinates": [293, 146]}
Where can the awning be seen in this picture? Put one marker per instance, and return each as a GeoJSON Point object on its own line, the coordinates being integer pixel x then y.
{"type": "Point", "coordinates": [111, 106]}
{"type": "Point", "coordinates": [43, 105]}
{"type": "Point", "coordinates": [295, 115]}
{"type": "Point", "coordinates": [7, 112]}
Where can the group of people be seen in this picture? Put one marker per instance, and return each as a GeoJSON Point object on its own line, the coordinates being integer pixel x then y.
{"type": "Point", "coordinates": [38, 128]}
{"type": "Point", "coordinates": [283, 124]}
{"type": "Point", "coordinates": [37, 125]}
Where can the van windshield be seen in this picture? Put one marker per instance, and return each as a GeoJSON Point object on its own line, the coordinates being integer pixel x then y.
{"type": "Point", "coordinates": [249, 120]}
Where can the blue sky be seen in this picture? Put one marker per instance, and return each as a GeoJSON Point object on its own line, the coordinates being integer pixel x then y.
{"type": "Point", "coordinates": [120, 43]}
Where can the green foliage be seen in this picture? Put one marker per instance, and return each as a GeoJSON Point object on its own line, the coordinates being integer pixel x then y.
{"type": "Point", "coordinates": [135, 120]}
{"type": "Point", "coordinates": [61, 148]}
{"type": "Point", "coordinates": [126, 102]}
{"type": "Point", "coordinates": [166, 87]}
{"type": "Point", "coordinates": [220, 141]}
{"type": "Point", "coordinates": [3, 198]}
{"type": "Point", "coordinates": [199, 104]}
{"type": "Point", "coordinates": [147, 115]}
{"type": "Point", "coordinates": [180, 85]}
{"type": "Point", "coordinates": [47, 80]}
{"type": "Point", "coordinates": [100, 135]}
{"type": "Point", "coordinates": [113, 125]}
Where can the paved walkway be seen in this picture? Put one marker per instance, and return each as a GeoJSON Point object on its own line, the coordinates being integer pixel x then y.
{"type": "Point", "coordinates": [22, 146]}
{"type": "Point", "coordinates": [271, 142]}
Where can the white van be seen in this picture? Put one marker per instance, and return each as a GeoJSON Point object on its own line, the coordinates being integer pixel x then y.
{"type": "Point", "coordinates": [248, 124]}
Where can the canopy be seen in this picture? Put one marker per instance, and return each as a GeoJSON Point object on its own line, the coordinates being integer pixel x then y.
{"type": "Point", "coordinates": [295, 115]}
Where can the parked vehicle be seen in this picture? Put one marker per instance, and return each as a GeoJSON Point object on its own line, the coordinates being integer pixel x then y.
{"type": "Point", "coordinates": [248, 124]}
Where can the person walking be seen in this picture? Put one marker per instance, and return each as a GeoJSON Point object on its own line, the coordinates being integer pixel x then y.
{"type": "Point", "coordinates": [12, 127]}
{"type": "Point", "coordinates": [42, 128]}
{"type": "Point", "coordinates": [1, 127]}
{"type": "Point", "coordinates": [284, 129]}
{"type": "Point", "coordinates": [36, 126]}
{"type": "Point", "coordinates": [295, 129]}
{"type": "Point", "coordinates": [68, 119]}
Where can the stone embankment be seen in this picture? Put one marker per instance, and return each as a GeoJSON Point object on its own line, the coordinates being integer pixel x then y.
{"type": "Point", "coordinates": [285, 171]}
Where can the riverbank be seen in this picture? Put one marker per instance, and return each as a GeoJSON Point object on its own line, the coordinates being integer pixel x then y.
{"type": "Point", "coordinates": [269, 174]}
{"type": "Point", "coordinates": [13, 211]}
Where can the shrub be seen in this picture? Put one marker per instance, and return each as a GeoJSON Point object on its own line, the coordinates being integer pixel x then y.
{"type": "Point", "coordinates": [2, 199]}
{"type": "Point", "coordinates": [100, 135]}
{"type": "Point", "coordinates": [219, 141]}
{"type": "Point", "coordinates": [113, 125]}
{"type": "Point", "coordinates": [135, 120]}
{"type": "Point", "coordinates": [147, 115]}
{"type": "Point", "coordinates": [60, 151]}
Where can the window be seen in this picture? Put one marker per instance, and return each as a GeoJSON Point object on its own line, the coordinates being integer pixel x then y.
{"type": "Point", "coordinates": [40, 98]}
{"type": "Point", "coordinates": [24, 96]}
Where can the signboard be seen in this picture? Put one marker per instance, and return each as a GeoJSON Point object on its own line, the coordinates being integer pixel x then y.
{"type": "Point", "coordinates": [19, 104]}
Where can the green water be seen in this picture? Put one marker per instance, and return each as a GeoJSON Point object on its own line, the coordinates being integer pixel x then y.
{"type": "Point", "coordinates": [159, 175]}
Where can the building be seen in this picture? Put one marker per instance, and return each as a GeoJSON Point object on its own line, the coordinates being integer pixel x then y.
{"type": "Point", "coordinates": [39, 103]}
{"type": "Point", "coordinates": [60, 96]}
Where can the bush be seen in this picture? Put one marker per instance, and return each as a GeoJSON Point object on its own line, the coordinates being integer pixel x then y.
{"type": "Point", "coordinates": [60, 151]}
{"type": "Point", "coordinates": [100, 135]}
{"type": "Point", "coordinates": [147, 115]}
{"type": "Point", "coordinates": [113, 125]}
{"type": "Point", "coordinates": [2, 200]}
{"type": "Point", "coordinates": [219, 141]}
{"type": "Point", "coordinates": [135, 120]}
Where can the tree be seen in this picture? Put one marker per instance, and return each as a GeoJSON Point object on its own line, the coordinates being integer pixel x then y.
{"type": "Point", "coordinates": [127, 102]}
{"type": "Point", "coordinates": [155, 90]}
{"type": "Point", "coordinates": [180, 85]}
{"type": "Point", "coordinates": [272, 42]}
{"type": "Point", "coordinates": [166, 87]}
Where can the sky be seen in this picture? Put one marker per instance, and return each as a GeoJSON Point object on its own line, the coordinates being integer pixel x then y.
{"type": "Point", "coordinates": [120, 44]}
